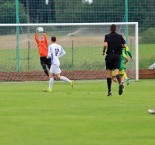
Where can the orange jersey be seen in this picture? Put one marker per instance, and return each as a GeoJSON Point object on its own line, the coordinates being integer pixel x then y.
{"type": "Point", "coordinates": [42, 45]}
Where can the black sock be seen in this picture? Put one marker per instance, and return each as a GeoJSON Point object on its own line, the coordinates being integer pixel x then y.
{"type": "Point", "coordinates": [109, 81]}
{"type": "Point", "coordinates": [118, 78]}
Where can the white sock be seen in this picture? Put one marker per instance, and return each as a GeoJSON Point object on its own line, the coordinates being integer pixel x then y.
{"type": "Point", "coordinates": [51, 81]}
{"type": "Point", "coordinates": [65, 79]}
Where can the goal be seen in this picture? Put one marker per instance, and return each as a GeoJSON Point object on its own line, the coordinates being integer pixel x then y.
{"type": "Point", "coordinates": [83, 43]}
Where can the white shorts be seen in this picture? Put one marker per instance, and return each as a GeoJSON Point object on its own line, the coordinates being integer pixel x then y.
{"type": "Point", "coordinates": [54, 69]}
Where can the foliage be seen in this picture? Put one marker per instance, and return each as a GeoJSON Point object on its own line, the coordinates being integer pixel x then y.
{"type": "Point", "coordinates": [143, 13]}
{"type": "Point", "coordinates": [68, 9]}
{"type": "Point", "coordinates": [39, 12]}
{"type": "Point", "coordinates": [74, 11]}
{"type": "Point", "coordinates": [8, 12]}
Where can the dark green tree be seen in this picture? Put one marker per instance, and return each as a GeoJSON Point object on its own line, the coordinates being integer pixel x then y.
{"type": "Point", "coordinates": [68, 11]}
{"type": "Point", "coordinates": [8, 12]}
{"type": "Point", "coordinates": [104, 11]}
{"type": "Point", "coordinates": [39, 12]}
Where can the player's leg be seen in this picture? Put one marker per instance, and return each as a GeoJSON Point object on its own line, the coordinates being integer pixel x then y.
{"type": "Point", "coordinates": [117, 64]}
{"type": "Point", "coordinates": [125, 75]}
{"type": "Point", "coordinates": [54, 74]}
{"type": "Point", "coordinates": [109, 81]}
{"type": "Point", "coordinates": [116, 73]}
{"type": "Point", "coordinates": [126, 78]}
{"type": "Point", "coordinates": [57, 72]}
{"type": "Point", "coordinates": [121, 73]}
{"type": "Point", "coordinates": [51, 80]}
{"type": "Point", "coordinates": [48, 62]}
{"type": "Point", "coordinates": [63, 78]}
{"type": "Point", "coordinates": [109, 68]}
{"type": "Point", "coordinates": [113, 76]}
{"type": "Point", "coordinates": [43, 64]}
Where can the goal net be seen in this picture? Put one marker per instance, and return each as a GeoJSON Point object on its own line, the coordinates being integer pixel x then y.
{"type": "Point", "coordinates": [83, 43]}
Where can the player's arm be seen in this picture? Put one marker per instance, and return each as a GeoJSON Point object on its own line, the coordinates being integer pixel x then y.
{"type": "Point", "coordinates": [123, 42]}
{"type": "Point", "coordinates": [45, 38]}
{"type": "Point", "coordinates": [129, 52]}
{"type": "Point", "coordinates": [49, 54]}
{"type": "Point", "coordinates": [62, 52]}
{"type": "Point", "coordinates": [36, 37]}
{"type": "Point", "coordinates": [105, 45]}
{"type": "Point", "coordinates": [124, 56]}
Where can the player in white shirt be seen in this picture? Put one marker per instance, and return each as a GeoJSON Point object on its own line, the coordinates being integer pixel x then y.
{"type": "Point", "coordinates": [55, 52]}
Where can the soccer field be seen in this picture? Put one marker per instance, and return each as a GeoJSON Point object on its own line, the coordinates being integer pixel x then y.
{"type": "Point", "coordinates": [80, 116]}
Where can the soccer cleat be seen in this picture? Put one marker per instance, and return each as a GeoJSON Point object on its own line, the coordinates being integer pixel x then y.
{"type": "Point", "coordinates": [151, 111]}
{"type": "Point", "coordinates": [47, 90]}
{"type": "Point", "coordinates": [72, 84]}
{"type": "Point", "coordinates": [127, 81]}
{"type": "Point", "coordinates": [109, 94]}
{"type": "Point", "coordinates": [121, 87]}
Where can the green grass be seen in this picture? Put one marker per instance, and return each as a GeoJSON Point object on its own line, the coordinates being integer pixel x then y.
{"type": "Point", "coordinates": [80, 116]}
{"type": "Point", "coordinates": [87, 58]}
{"type": "Point", "coordinates": [146, 57]}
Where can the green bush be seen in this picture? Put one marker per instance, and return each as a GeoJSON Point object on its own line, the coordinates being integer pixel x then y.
{"type": "Point", "coordinates": [8, 12]}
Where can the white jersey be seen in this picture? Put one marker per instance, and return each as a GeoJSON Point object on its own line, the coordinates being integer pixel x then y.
{"type": "Point", "coordinates": [55, 51]}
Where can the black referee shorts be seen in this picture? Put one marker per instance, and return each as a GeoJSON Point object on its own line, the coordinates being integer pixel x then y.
{"type": "Point", "coordinates": [113, 61]}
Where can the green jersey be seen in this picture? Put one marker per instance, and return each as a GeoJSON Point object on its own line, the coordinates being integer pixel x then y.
{"type": "Point", "coordinates": [123, 58]}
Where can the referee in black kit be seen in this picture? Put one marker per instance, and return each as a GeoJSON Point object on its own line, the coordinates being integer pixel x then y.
{"type": "Point", "coordinates": [114, 43]}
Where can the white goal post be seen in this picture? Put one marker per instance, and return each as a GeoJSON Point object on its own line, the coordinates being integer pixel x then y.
{"type": "Point", "coordinates": [83, 43]}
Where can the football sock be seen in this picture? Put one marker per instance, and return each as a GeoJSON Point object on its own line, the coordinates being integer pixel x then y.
{"type": "Point", "coordinates": [118, 78]}
{"type": "Point", "coordinates": [65, 79]}
{"type": "Point", "coordinates": [51, 81]}
{"type": "Point", "coordinates": [125, 76]}
{"type": "Point", "coordinates": [109, 81]}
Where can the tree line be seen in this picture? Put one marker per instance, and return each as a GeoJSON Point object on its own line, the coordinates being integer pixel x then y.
{"type": "Point", "coordinates": [75, 11]}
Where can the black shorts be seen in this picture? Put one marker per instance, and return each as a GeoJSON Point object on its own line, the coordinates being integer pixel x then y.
{"type": "Point", "coordinates": [113, 61]}
{"type": "Point", "coordinates": [45, 61]}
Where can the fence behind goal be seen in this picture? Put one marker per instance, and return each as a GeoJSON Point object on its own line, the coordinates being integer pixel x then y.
{"type": "Point", "coordinates": [83, 43]}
